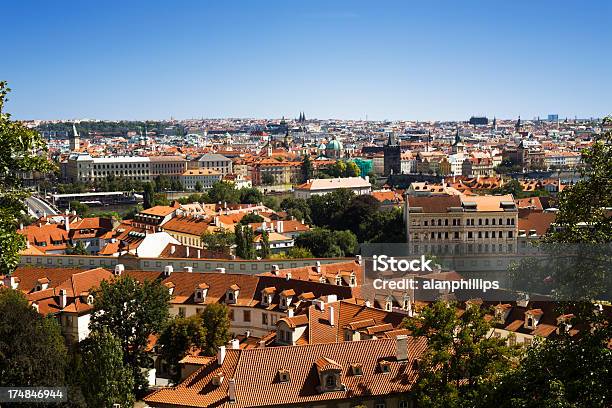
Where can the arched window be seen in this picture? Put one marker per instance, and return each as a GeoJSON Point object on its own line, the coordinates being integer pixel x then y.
{"type": "Point", "coordinates": [330, 381]}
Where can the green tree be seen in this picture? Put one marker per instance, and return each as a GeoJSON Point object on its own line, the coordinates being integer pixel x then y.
{"type": "Point", "coordinates": [352, 170]}
{"type": "Point", "coordinates": [297, 208]}
{"type": "Point", "coordinates": [251, 196]}
{"type": "Point", "coordinates": [148, 196]}
{"type": "Point", "coordinates": [107, 379]}
{"type": "Point", "coordinates": [77, 249]}
{"type": "Point", "coordinates": [181, 336]}
{"type": "Point", "coordinates": [244, 241]}
{"type": "Point", "coordinates": [132, 311]}
{"type": "Point", "coordinates": [298, 252]}
{"type": "Point", "coordinates": [462, 362]}
{"type": "Point", "coordinates": [224, 192]}
{"type": "Point", "coordinates": [32, 350]}
{"type": "Point", "coordinates": [162, 183]}
{"type": "Point", "coordinates": [267, 179]}
{"type": "Point", "coordinates": [325, 243]}
{"type": "Point", "coordinates": [307, 169]}
{"type": "Point", "coordinates": [264, 252]}
{"type": "Point", "coordinates": [574, 370]}
{"type": "Point", "coordinates": [23, 150]}
{"type": "Point", "coordinates": [80, 208]}
{"type": "Point", "coordinates": [217, 324]}
{"type": "Point", "coordinates": [198, 186]}
{"type": "Point", "coordinates": [219, 241]}
{"type": "Point", "coordinates": [327, 210]}
{"type": "Point", "coordinates": [251, 218]}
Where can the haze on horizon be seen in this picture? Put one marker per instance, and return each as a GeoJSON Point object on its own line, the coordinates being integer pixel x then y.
{"type": "Point", "coordinates": [399, 60]}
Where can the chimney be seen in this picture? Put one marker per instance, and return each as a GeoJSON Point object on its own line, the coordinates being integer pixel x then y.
{"type": "Point", "coordinates": [220, 355]}
{"type": "Point", "coordinates": [188, 269]}
{"type": "Point", "coordinates": [67, 223]}
{"type": "Point", "coordinates": [262, 343]}
{"type": "Point", "coordinates": [119, 269]}
{"type": "Point", "coordinates": [275, 270]}
{"type": "Point", "coordinates": [199, 253]}
{"type": "Point", "coordinates": [303, 222]}
{"type": "Point", "coordinates": [220, 270]}
{"type": "Point", "coordinates": [290, 312]}
{"type": "Point", "coordinates": [63, 298]}
{"type": "Point", "coordinates": [35, 306]}
{"type": "Point", "coordinates": [14, 282]}
{"type": "Point", "coordinates": [288, 276]}
{"type": "Point", "coordinates": [21, 225]}
{"type": "Point", "coordinates": [231, 390]}
{"type": "Point", "coordinates": [233, 344]}
{"type": "Point", "coordinates": [186, 252]}
{"type": "Point", "coordinates": [247, 334]}
{"type": "Point", "coordinates": [279, 227]}
{"type": "Point", "coordinates": [319, 267]}
{"type": "Point", "coordinates": [332, 317]}
{"type": "Point", "coordinates": [368, 303]}
{"type": "Point", "coordinates": [358, 259]}
{"type": "Point", "coordinates": [168, 269]}
{"type": "Point", "coordinates": [172, 249]}
{"type": "Point", "coordinates": [402, 347]}
{"type": "Point", "coordinates": [263, 226]}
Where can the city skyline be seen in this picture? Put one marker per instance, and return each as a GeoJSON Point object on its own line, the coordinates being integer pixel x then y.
{"type": "Point", "coordinates": [343, 61]}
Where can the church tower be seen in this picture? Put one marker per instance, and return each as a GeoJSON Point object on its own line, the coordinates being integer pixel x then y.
{"type": "Point", "coordinates": [458, 146]}
{"type": "Point", "coordinates": [75, 141]}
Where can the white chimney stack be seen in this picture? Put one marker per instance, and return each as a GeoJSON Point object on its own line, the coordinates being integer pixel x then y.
{"type": "Point", "coordinates": [279, 227]}
{"type": "Point", "coordinates": [290, 312]}
{"type": "Point", "coordinates": [188, 269]}
{"type": "Point", "coordinates": [318, 267]}
{"type": "Point", "coordinates": [172, 249]}
{"type": "Point", "coordinates": [220, 270]}
{"type": "Point", "coordinates": [186, 252]}
{"type": "Point", "coordinates": [199, 253]}
{"type": "Point", "coordinates": [233, 344]}
{"type": "Point", "coordinates": [358, 259]}
{"type": "Point", "coordinates": [220, 355]}
{"type": "Point", "coordinates": [63, 298]}
{"type": "Point", "coordinates": [332, 317]}
{"type": "Point", "coordinates": [402, 347]}
{"type": "Point", "coordinates": [168, 269]}
{"type": "Point", "coordinates": [119, 269]}
{"type": "Point", "coordinates": [275, 270]}
{"type": "Point", "coordinates": [67, 223]}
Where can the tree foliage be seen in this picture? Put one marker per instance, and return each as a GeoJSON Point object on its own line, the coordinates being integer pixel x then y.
{"type": "Point", "coordinates": [219, 241]}
{"type": "Point", "coordinates": [217, 324]}
{"type": "Point", "coordinates": [462, 362]}
{"type": "Point", "coordinates": [244, 241]}
{"type": "Point", "coordinates": [325, 243]}
{"type": "Point", "coordinates": [181, 336]}
{"type": "Point", "coordinates": [106, 379]}
{"type": "Point", "coordinates": [132, 311]}
{"type": "Point", "coordinates": [23, 150]}
{"type": "Point", "coordinates": [32, 350]}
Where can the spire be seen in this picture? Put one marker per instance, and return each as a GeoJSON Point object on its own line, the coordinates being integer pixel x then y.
{"type": "Point", "coordinates": [494, 123]}
{"type": "Point", "coordinates": [518, 124]}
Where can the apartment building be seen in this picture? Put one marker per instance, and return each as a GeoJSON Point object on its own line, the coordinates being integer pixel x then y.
{"type": "Point", "coordinates": [216, 162]}
{"type": "Point", "coordinates": [206, 177]}
{"type": "Point", "coordinates": [83, 168]}
{"type": "Point", "coordinates": [461, 224]}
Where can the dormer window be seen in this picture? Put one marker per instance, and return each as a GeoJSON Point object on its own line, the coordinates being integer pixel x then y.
{"type": "Point", "coordinates": [357, 369]}
{"type": "Point", "coordinates": [322, 279]}
{"type": "Point", "coordinates": [267, 295]}
{"type": "Point", "coordinates": [231, 296]}
{"type": "Point", "coordinates": [283, 376]}
{"type": "Point", "coordinates": [385, 367]}
{"type": "Point", "coordinates": [338, 280]}
{"type": "Point", "coordinates": [200, 292]}
{"type": "Point", "coordinates": [532, 318]}
{"type": "Point", "coordinates": [286, 296]}
{"type": "Point", "coordinates": [170, 286]}
{"type": "Point", "coordinates": [388, 303]}
{"type": "Point", "coordinates": [90, 300]}
{"type": "Point", "coordinates": [353, 280]}
{"type": "Point", "coordinates": [329, 375]}
{"type": "Point", "coordinates": [218, 378]}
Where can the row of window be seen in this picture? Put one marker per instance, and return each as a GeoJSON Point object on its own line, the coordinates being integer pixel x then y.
{"type": "Point", "coordinates": [469, 222]}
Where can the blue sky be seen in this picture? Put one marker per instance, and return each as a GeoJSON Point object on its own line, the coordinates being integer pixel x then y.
{"type": "Point", "coordinates": [332, 59]}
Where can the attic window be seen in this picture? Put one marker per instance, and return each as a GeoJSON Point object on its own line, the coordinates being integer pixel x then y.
{"type": "Point", "coordinates": [338, 280]}
{"type": "Point", "coordinates": [218, 378]}
{"type": "Point", "coordinates": [357, 369]}
{"type": "Point", "coordinates": [385, 366]}
{"type": "Point", "coordinates": [90, 300]}
{"type": "Point", "coordinates": [283, 376]}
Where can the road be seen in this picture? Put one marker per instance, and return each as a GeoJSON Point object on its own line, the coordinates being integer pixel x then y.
{"type": "Point", "coordinates": [37, 207]}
